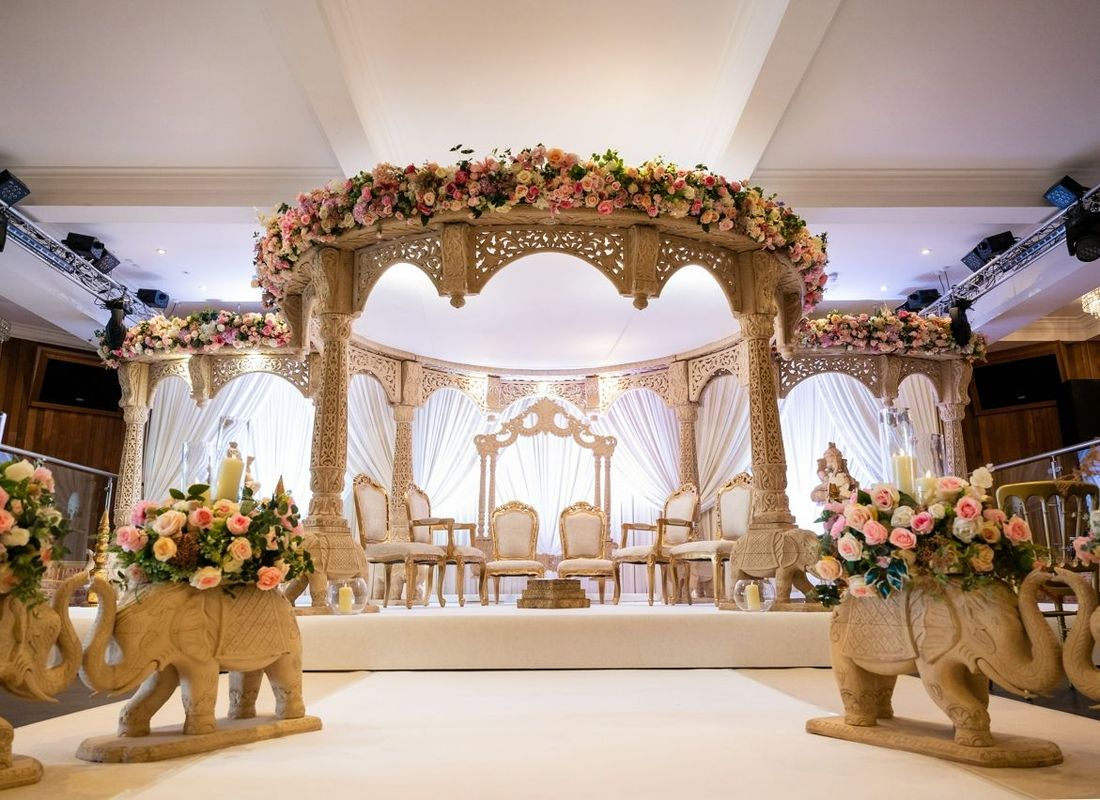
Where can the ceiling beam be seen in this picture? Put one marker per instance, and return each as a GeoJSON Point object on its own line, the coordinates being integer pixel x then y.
{"type": "Point", "coordinates": [800, 33]}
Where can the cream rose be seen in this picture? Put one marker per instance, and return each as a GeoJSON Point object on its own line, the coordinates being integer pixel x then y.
{"type": "Point", "coordinates": [240, 549]}
{"type": "Point", "coordinates": [902, 517]}
{"type": "Point", "coordinates": [849, 547]}
{"type": "Point", "coordinates": [16, 537]}
{"type": "Point", "coordinates": [164, 548]}
{"type": "Point", "coordinates": [223, 508]}
{"type": "Point", "coordinates": [884, 496]}
{"type": "Point", "coordinates": [170, 523]}
{"type": "Point", "coordinates": [231, 566]}
{"type": "Point", "coordinates": [19, 470]}
{"type": "Point", "coordinates": [982, 560]}
{"type": "Point", "coordinates": [937, 511]}
{"type": "Point", "coordinates": [828, 568]}
{"type": "Point", "coordinates": [206, 578]}
{"type": "Point", "coordinates": [857, 516]}
{"type": "Point", "coordinates": [982, 478]}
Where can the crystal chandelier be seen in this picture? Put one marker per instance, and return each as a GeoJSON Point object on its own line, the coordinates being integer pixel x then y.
{"type": "Point", "coordinates": [1090, 303]}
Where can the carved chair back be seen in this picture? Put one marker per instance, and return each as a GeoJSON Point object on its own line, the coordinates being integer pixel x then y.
{"type": "Point", "coordinates": [1056, 511]}
{"type": "Point", "coordinates": [733, 507]}
{"type": "Point", "coordinates": [372, 509]}
{"type": "Point", "coordinates": [514, 528]}
{"type": "Point", "coordinates": [583, 529]}
{"type": "Point", "coordinates": [683, 504]}
{"type": "Point", "coordinates": [418, 506]}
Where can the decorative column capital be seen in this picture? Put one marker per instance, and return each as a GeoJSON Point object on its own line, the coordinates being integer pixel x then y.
{"type": "Point", "coordinates": [135, 415]}
{"type": "Point", "coordinates": [335, 326]}
{"type": "Point", "coordinates": [687, 412]}
{"type": "Point", "coordinates": [403, 413]}
{"type": "Point", "coordinates": [757, 326]}
{"type": "Point", "coordinates": [952, 412]}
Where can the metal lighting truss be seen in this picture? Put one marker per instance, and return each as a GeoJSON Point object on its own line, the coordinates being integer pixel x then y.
{"type": "Point", "coordinates": [76, 268]}
{"type": "Point", "coordinates": [1021, 255]}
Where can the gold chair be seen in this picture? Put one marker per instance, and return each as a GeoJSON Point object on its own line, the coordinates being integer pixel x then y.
{"type": "Point", "coordinates": [514, 528]}
{"type": "Point", "coordinates": [675, 526]}
{"type": "Point", "coordinates": [372, 509]}
{"type": "Point", "coordinates": [732, 511]}
{"type": "Point", "coordinates": [1056, 512]}
{"type": "Point", "coordinates": [583, 529]}
{"type": "Point", "coordinates": [418, 507]}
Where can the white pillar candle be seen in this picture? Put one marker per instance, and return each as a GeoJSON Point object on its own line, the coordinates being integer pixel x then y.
{"type": "Point", "coordinates": [345, 597]}
{"type": "Point", "coordinates": [752, 597]}
{"type": "Point", "coordinates": [229, 479]}
{"type": "Point", "coordinates": [904, 472]}
{"type": "Point", "coordinates": [926, 489]}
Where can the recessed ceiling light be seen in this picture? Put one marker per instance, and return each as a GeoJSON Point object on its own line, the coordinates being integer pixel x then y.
{"type": "Point", "coordinates": [925, 251]}
{"type": "Point", "coordinates": [882, 288]}
{"type": "Point", "coordinates": [161, 251]}
{"type": "Point", "coordinates": [202, 288]}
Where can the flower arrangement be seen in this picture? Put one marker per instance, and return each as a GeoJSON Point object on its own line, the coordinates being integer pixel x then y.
{"type": "Point", "coordinates": [201, 332]}
{"type": "Point", "coordinates": [544, 178]}
{"type": "Point", "coordinates": [888, 331]}
{"type": "Point", "coordinates": [187, 538]}
{"type": "Point", "coordinates": [880, 539]}
{"type": "Point", "coordinates": [1087, 547]}
{"type": "Point", "coordinates": [30, 529]}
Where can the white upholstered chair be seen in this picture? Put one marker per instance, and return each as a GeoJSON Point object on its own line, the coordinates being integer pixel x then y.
{"type": "Point", "coordinates": [372, 508]}
{"type": "Point", "coordinates": [583, 529]}
{"type": "Point", "coordinates": [514, 528]}
{"type": "Point", "coordinates": [675, 526]}
{"type": "Point", "coordinates": [418, 507]}
{"type": "Point", "coordinates": [732, 511]}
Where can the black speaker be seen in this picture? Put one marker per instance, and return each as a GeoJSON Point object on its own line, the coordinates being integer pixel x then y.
{"type": "Point", "coordinates": [988, 247]}
{"type": "Point", "coordinates": [1079, 411]}
{"type": "Point", "coordinates": [919, 299]}
{"type": "Point", "coordinates": [87, 246]}
{"type": "Point", "coordinates": [154, 298]}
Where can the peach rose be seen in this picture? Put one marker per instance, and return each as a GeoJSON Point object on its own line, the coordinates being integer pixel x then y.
{"type": "Point", "coordinates": [4, 496]}
{"type": "Point", "coordinates": [857, 516]}
{"type": "Point", "coordinates": [849, 547]}
{"type": "Point", "coordinates": [238, 523]}
{"type": "Point", "coordinates": [7, 579]}
{"type": "Point", "coordinates": [131, 539]}
{"type": "Point", "coordinates": [990, 532]}
{"type": "Point", "coordinates": [6, 520]}
{"type": "Point", "coordinates": [982, 560]}
{"type": "Point", "coordinates": [884, 496]}
{"type": "Point", "coordinates": [1017, 529]}
{"type": "Point", "coordinates": [994, 515]}
{"type": "Point", "coordinates": [164, 548]}
{"type": "Point", "coordinates": [968, 508]}
{"type": "Point", "coordinates": [170, 523]}
{"type": "Point", "coordinates": [903, 538]}
{"type": "Point", "coordinates": [268, 578]}
{"type": "Point", "coordinates": [240, 549]}
{"type": "Point", "coordinates": [875, 532]}
{"type": "Point", "coordinates": [828, 568]}
{"type": "Point", "coordinates": [223, 508]}
{"type": "Point", "coordinates": [206, 578]}
{"type": "Point", "coordinates": [857, 587]}
{"type": "Point", "coordinates": [201, 517]}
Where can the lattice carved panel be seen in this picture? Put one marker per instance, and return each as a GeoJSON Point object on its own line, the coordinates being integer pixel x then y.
{"type": "Point", "coordinates": [292, 369]}
{"type": "Point", "coordinates": [678, 252]}
{"type": "Point", "coordinates": [160, 370]}
{"type": "Point", "coordinates": [425, 252]}
{"type": "Point", "coordinates": [867, 369]}
{"type": "Point", "coordinates": [614, 386]}
{"type": "Point", "coordinates": [727, 361]}
{"type": "Point", "coordinates": [387, 370]}
{"type": "Point", "coordinates": [476, 387]}
{"type": "Point", "coordinates": [573, 391]}
{"type": "Point", "coordinates": [496, 248]}
{"type": "Point", "coordinates": [933, 370]}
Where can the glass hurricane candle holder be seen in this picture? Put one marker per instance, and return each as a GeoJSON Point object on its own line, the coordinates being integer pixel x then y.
{"type": "Point", "coordinates": [899, 464]}
{"type": "Point", "coordinates": [754, 594]}
{"type": "Point", "coordinates": [348, 595]}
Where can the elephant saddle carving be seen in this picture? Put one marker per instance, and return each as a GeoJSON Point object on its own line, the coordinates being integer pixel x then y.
{"type": "Point", "coordinates": [874, 628]}
{"type": "Point", "coordinates": [258, 625]}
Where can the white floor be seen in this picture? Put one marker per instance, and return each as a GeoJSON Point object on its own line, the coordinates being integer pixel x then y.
{"type": "Point", "coordinates": [563, 734]}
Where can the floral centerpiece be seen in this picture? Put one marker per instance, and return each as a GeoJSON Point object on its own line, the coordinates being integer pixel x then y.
{"type": "Point", "coordinates": [189, 539]}
{"type": "Point", "coordinates": [888, 331]}
{"type": "Point", "coordinates": [879, 540]}
{"type": "Point", "coordinates": [31, 529]}
{"type": "Point", "coordinates": [201, 332]}
{"type": "Point", "coordinates": [1087, 547]}
{"type": "Point", "coordinates": [544, 178]}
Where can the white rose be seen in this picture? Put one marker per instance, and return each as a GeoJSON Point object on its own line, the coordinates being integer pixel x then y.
{"type": "Point", "coordinates": [49, 516]}
{"type": "Point", "coordinates": [982, 478]}
{"type": "Point", "coordinates": [16, 537]}
{"type": "Point", "coordinates": [937, 510]}
{"type": "Point", "coordinates": [19, 470]}
{"type": "Point", "coordinates": [231, 565]}
{"type": "Point", "coordinates": [964, 529]}
{"type": "Point", "coordinates": [902, 517]}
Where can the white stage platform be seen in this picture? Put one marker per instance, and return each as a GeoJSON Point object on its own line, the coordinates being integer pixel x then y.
{"type": "Point", "coordinates": [541, 735]}
{"type": "Point", "coordinates": [627, 636]}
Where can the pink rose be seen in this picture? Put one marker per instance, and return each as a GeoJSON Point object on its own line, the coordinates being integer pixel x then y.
{"type": "Point", "coordinates": [849, 547]}
{"type": "Point", "coordinates": [605, 207]}
{"type": "Point", "coordinates": [201, 517]}
{"type": "Point", "coordinates": [838, 526]}
{"type": "Point", "coordinates": [268, 578]}
{"type": "Point", "coordinates": [903, 538]}
{"type": "Point", "coordinates": [994, 515]}
{"type": "Point", "coordinates": [875, 532]}
{"type": "Point", "coordinates": [44, 477]}
{"type": "Point", "coordinates": [131, 539]}
{"type": "Point", "coordinates": [139, 514]}
{"type": "Point", "coordinates": [6, 520]}
{"type": "Point", "coordinates": [828, 569]}
{"type": "Point", "coordinates": [1017, 529]}
{"type": "Point", "coordinates": [136, 575]}
{"type": "Point", "coordinates": [835, 507]}
{"type": "Point", "coordinates": [238, 523]}
{"type": "Point", "coordinates": [240, 548]}
{"type": "Point", "coordinates": [948, 486]}
{"type": "Point", "coordinates": [968, 508]}
{"type": "Point", "coordinates": [3, 497]}
{"type": "Point", "coordinates": [884, 496]}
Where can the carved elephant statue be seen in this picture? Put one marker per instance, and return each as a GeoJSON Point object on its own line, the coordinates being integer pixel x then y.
{"type": "Point", "coordinates": [1077, 653]}
{"type": "Point", "coordinates": [787, 555]}
{"type": "Point", "coordinates": [173, 634]}
{"type": "Point", "coordinates": [956, 641]}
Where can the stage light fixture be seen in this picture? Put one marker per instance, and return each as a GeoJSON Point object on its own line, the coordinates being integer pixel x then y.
{"type": "Point", "coordinates": [88, 247]}
{"type": "Point", "coordinates": [106, 262]}
{"type": "Point", "coordinates": [987, 248]}
{"type": "Point", "coordinates": [919, 299]}
{"type": "Point", "coordinates": [1083, 234]}
{"type": "Point", "coordinates": [1064, 193]}
{"type": "Point", "coordinates": [12, 190]}
{"type": "Point", "coordinates": [154, 298]}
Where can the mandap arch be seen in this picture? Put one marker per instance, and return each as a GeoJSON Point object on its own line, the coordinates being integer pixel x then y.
{"type": "Point", "coordinates": [539, 418]}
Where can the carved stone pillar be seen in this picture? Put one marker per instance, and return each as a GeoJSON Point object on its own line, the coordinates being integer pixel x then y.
{"type": "Point", "coordinates": [688, 413]}
{"type": "Point", "coordinates": [598, 501]}
{"type": "Point", "coordinates": [133, 378]}
{"type": "Point", "coordinates": [402, 469]}
{"type": "Point", "coordinates": [954, 457]}
{"type": "Point", "coordinates": [769, 465]}
{"type": "Point", "coordinates": [335, 553]}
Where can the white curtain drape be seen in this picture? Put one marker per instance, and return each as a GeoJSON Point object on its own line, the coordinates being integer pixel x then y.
{"type": "Point", "coordinates": [721, 442]}
{"type": "Point", "coordinates": [918, 394]}
{"type": "Point", "coordinates": [371, 432]}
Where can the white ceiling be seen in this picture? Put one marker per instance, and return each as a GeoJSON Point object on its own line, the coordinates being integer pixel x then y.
{"type": "Point", "coordinates": [893, 125]}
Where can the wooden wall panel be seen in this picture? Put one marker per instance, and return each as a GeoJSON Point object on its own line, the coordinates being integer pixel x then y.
{"type": "Point", "coordinates": [93, 439]}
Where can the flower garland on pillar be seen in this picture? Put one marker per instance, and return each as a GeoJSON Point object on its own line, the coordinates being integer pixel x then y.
{"type": "Point", "coordinates": [887, 331]}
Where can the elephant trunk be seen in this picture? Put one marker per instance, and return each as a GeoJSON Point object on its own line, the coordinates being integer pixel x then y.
{"type": "Point", "coordinates": [96, 672]}
{"type": "Point", "coordinates": [52, 680]}
{"type": "Point", "coordinates": [1039, 671]}
{"type": "Point", "coordinates": [1077, 654]}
